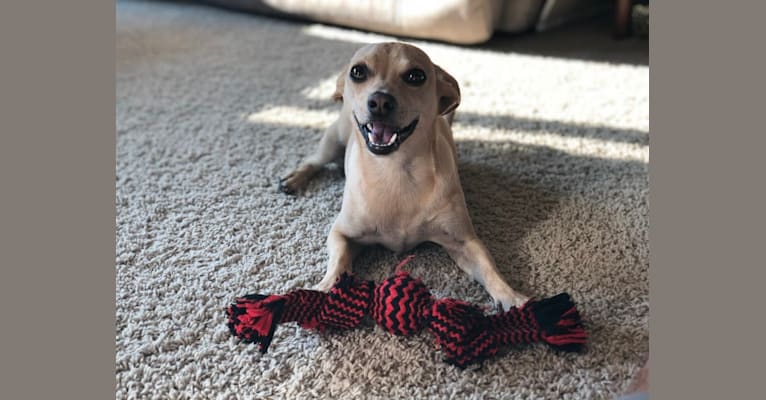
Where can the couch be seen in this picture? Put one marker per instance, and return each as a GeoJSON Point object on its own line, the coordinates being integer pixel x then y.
{"type": "Point", "coordinates": [453, 21]}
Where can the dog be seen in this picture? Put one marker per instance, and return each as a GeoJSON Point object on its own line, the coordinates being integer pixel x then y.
{"type": "Point", "coordinates": [393, 138]}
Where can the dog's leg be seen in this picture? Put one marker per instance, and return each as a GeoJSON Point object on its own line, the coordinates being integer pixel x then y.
{"type": "Point", "coordinates": [473, 258]}
{"type": "Point", "coordinates": [330, 148]}
{"type": "Point", "coordinates": [342, 252]}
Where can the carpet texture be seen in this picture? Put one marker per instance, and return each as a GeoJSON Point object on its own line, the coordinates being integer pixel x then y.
{"type": "Point", "coordinates": [213, 106]}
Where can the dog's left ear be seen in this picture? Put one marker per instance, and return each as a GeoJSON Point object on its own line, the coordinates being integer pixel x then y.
{"type": "Point", "coordinates": [339, 85]}
{"type": "Point", "coordinates": [447, 90]}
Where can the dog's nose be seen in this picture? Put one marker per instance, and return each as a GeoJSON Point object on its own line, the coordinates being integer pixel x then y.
{"type": "Point", "coordinates": [381, 104]}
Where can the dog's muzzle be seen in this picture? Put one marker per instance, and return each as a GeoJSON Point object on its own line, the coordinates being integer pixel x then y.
{"type": "Point", "coordinates": [383, 138]}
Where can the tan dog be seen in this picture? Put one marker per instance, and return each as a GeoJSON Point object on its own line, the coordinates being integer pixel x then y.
{"type": "Point", "coordinates": [402, 185]}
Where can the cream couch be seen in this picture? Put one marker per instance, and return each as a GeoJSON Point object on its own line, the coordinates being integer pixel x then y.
{"type": "Point", "coordinates": [454, 21]}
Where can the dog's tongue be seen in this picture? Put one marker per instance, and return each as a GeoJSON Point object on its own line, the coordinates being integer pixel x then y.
{"type": "Point", "coordinates": [381, 133]}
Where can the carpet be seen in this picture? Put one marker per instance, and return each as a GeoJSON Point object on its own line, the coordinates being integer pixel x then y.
{"type": "Point", "coordinates": [213, 106]}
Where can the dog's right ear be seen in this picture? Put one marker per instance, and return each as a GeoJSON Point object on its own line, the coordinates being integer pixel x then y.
{"type": "Point", "coordinates": [339, 85]}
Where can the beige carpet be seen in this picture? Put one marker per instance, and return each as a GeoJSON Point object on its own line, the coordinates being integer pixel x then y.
{"type": "Point", "coordinates": [212, 106]}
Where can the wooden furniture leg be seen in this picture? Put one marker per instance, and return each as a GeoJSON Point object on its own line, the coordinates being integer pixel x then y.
{"type": "Point", "coordinates": [622, 17]}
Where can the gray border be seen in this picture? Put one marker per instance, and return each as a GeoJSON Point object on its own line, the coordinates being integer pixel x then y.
{"type": "Point", "coordinates": [57, 211]}
{"type": "Point", "coordinates": [57, 221]}
{"type": "Point", "coordinates": [707, 199]}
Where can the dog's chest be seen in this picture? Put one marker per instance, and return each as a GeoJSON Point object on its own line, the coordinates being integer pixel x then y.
{"type": "Point", "coordinates": [391, 215]}
{"type": "Point", "coordinates": [397, 238]}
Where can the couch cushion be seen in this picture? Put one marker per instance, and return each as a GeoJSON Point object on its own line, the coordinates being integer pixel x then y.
{"type": "Point", "coordinates": [455, 21]}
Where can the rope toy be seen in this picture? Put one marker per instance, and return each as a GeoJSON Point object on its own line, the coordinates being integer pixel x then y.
{"type": "Point", "coordinates": [402, 305]}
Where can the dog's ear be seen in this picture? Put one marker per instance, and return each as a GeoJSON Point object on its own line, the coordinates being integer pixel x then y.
{"type": "Point", "coordinates": [447, 91]}
{"type": "Point", "coordinates": [339, 85]}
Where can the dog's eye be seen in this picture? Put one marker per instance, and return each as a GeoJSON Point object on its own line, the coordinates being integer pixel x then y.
{"type": "Point", "coordinates": [415, 77]}
{"type": "Point", "coordinates": [358, 73]}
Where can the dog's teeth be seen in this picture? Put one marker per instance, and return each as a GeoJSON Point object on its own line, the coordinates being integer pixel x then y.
{"type": "Point", "coordinates": [392, 140]}
{"type": "Point", "coordinates": [369, 127]}
{"type": "Point", "coordinates": [369, 136]}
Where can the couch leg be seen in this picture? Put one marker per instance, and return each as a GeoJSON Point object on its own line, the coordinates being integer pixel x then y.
{"type": "Point", "coordinates": [622, 18]}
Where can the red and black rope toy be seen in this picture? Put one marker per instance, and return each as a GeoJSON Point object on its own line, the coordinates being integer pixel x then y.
{"type": "Point", "coordinates": [402, 305]}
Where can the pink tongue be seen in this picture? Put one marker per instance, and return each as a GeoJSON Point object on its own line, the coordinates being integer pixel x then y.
{"type": "Point", "coordinates": [381, 133]}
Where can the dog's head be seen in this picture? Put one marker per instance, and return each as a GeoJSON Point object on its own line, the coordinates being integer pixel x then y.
{"type": "Point", "coordinates": [391, 90]}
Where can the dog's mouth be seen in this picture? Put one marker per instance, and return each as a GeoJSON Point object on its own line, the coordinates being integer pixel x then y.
{"type": "Point", "coordinates": [383, 138]}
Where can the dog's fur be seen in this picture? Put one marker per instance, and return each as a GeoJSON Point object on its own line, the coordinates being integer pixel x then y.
{"type": "Point", "coordinates": [412, 194]}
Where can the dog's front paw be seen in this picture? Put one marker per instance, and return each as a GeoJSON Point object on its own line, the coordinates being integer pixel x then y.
{"type": "Point", "coordinates": [296, 180]}
{"type": "Point", "coordinates": [285, 185]}
{"type": "Point", "coordinates": [293, 182]}
{"type": "Point", "coordinates": [512, 300]}
{"type": "Point", "coordinates": [325, 285]}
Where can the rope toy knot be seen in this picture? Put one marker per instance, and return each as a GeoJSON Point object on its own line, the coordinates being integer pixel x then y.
{"type": "Point", "coordinates": [400, 304]}
{"type": "Point", "coordinates": [461, 330]}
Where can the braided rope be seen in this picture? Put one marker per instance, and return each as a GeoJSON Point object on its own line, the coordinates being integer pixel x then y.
{"type": "Point", "coordinates": [402, 305]}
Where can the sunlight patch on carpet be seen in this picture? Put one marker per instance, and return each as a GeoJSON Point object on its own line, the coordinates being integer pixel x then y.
{"type": "Point", "coordinates": [293, 116]}
{"type": "Point", "coordinates": [574, 145]}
